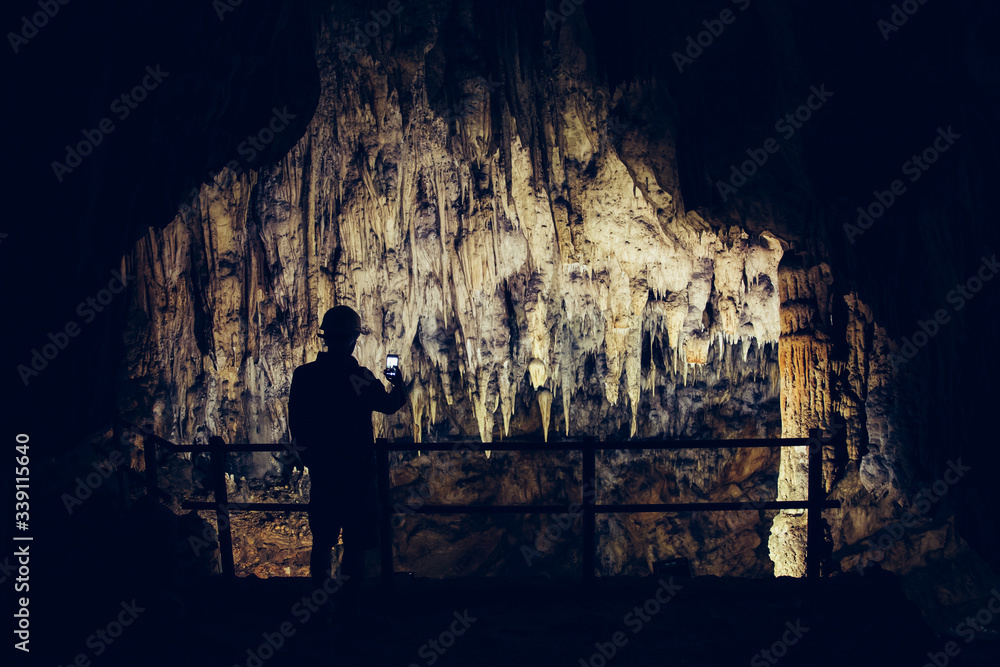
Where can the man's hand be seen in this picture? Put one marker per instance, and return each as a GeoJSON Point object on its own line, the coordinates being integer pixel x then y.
{"type": "Point", "coordinates": [395, 379]}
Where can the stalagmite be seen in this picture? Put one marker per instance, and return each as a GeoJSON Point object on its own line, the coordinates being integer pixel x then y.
{"type": "Point", "coordinates": [803, 353]}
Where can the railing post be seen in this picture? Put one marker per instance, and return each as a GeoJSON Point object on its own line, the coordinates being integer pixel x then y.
{"type": "Point", "coordinates": [385, 510]}
{"type": "Point", "coordinates": [815, 495]}
{"type": "Point", "coordinates": [217, 453]}
{"type": "Point", "coordinates": [589, 481]}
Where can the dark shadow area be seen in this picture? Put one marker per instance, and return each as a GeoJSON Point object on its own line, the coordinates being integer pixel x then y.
{"type": "Point", "coordinates": [91, 172]}
{"type": "Point", "coordinates": [630, 621]}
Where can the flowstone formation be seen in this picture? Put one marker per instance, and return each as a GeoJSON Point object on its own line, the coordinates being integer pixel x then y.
{"type": "Point", "coordinates": [510, 259]}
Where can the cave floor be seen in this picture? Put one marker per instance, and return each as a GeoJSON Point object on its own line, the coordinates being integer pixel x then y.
{"type": "Point", "coordinates": [705, 621]}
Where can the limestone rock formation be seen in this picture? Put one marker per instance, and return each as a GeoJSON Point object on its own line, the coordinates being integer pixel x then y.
{"type": "Point", "coordinates": [528, 255]}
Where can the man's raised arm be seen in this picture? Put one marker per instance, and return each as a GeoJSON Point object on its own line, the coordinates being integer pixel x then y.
{"type": "Point", "coordinates": [381, 401]}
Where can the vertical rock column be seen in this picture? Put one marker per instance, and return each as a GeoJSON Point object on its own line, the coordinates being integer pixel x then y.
{"type": "Point", "coordinates": [804, 362]}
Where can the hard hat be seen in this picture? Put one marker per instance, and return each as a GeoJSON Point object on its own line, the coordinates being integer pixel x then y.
{"type": "Point", "coordinates": [341, 321]}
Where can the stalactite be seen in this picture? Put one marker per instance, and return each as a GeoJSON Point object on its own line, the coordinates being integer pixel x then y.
{"type": "Point", "coordinates": [545, 405]}
{"type": "Point", "coordinates": [478, 283]}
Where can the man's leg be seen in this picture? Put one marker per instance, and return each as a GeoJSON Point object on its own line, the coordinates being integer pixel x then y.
{"type": "Point", "coordinates": [361, 535]}
{"type": "Point", "coordinates": [352, 566]}
{"type": "Point", "coordinates": [325, 529]}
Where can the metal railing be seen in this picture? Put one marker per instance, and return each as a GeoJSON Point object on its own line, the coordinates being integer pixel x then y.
{"type": "Point", "coordinates": [815, 501]}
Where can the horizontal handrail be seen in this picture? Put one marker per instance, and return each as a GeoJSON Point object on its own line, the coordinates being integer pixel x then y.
{"type": "Point", "coordinates": [587, 445]}
{"type": "Point", "coordinates": [613, 508]}
{"type": "Point", "coordinates": [513, 446]}
{"type": "Point", "coordinates": [246, 507]}
{"type": "Point", "coordinates": [217, 449]}
{"type": "Point", "coordinates": [600, 508]}
{"type": "Point", "coordinates": [503, 446]}
{"type": "Point", "coordinates": [155, 438]}
{"type": "Point", "coordinates": [234, 448]}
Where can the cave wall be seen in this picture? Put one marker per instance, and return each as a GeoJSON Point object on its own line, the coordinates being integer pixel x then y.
{"type": "Point", "coordinates": [528, 258]}
{"type": "Point", "coordinates": [503, 253]}
{"type": "Point", "coordinates": [497, 222]}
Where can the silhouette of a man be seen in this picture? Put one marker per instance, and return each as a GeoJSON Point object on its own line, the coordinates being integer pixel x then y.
{"type": "Point", "coordinates": [330, 415]}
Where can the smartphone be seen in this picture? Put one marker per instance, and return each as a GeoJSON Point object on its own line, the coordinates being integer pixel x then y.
{"type": "Point", "coordinates": [392, 363]}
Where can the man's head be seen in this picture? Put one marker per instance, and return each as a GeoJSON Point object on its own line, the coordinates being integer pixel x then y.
{"type": "Point", "coordinates": [340, 329]}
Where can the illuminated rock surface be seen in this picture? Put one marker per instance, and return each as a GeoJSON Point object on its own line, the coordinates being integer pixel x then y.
{"type": "Point", "coordinates": [531, 260]}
